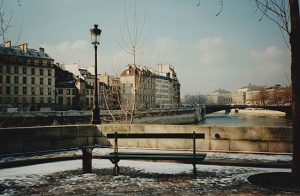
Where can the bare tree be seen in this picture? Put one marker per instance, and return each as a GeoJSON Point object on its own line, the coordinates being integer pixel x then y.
{"type": "Point", "coordinates": [132, 42]}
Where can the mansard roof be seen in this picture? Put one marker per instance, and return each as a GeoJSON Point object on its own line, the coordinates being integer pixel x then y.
{"type": "Point", "coordinates": [17, 51]}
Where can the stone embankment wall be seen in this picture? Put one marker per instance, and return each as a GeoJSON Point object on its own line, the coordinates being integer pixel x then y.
{"type": "Point", "coordinates": [33, 139]}
{"type": "Point", "coordinates": [217, 138]}
{"type": "Point", "coordinates": [155, 116]}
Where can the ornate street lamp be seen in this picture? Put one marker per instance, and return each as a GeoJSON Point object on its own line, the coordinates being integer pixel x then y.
{"type": "Point", "coordinates": [95, 37]}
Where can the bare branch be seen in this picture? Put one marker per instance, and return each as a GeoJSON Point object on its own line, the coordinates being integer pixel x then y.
{"type": "Point", "coordinates": [221, 7]}
{"type": "Point", "coordinates": [5, 20]}
{"type": "Point", "coordinates": [275, 12]}
{"type": "Point", "coordinates": [20, 33]}
{"type": "Point", "coordinates": [4, 23]}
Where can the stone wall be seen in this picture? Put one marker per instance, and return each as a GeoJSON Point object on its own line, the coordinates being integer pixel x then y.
{"type": "Point", "coordinates": [33, 139]}
{"type": "Point", "coordinates": [217, 138]}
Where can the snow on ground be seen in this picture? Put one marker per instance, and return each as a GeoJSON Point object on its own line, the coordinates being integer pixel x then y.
{"type": "Point", "coordinates": [137, 177]}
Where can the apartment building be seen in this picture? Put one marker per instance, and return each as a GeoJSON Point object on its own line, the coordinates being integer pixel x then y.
{"type": "Point", "coordinates": [157, 88]}
{"type": "Point", "coordinates": [167, 93]}
{"type": "Point", "coordinates": [27, 77]}
{"type": "Point", "coordinates": [65, 89]}
{"type": "Point", "coordinates": [110, 90]}
{"type": "Point", "coordinates": [108, 87]}
{"type": "Point", "coordinates": [137, 87]}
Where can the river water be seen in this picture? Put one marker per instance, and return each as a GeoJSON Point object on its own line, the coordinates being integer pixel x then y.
{"type": "Point", "coordinates": [245, 120]}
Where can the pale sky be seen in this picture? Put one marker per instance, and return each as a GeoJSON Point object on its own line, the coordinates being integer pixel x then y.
{"type": "Point", "coordinates": [208, 51]}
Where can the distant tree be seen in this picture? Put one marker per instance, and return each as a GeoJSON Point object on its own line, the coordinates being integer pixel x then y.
{"type": "Point", "coordinates": [263, 96]}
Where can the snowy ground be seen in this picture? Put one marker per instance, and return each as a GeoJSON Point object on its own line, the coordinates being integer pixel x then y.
{"type": "Point", "coordinates": [137, 178]}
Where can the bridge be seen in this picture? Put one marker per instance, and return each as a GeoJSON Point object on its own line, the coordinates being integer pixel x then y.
{"type": "Point", "coordinates": [211, 108]}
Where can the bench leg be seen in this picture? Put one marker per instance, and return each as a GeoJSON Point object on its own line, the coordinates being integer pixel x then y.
{"type": "Point", "coordinates": [87, 160]}
{"type": "Point", "coordinates": [194, 171]}
{"type": "Point", "coordinates": [116, 170]}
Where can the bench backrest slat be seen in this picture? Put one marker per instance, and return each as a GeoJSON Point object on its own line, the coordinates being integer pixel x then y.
{"type": "Point", "coordinates": [157, 135]}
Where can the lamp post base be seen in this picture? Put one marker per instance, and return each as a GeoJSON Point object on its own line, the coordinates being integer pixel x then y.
{"type": "Point", "coordinates": [96, 116]}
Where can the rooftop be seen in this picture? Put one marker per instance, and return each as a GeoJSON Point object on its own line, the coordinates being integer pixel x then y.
{"type": "Point", "coordinates": [23, 52]}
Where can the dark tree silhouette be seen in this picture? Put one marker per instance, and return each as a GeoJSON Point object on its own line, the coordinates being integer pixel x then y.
{"type": "Point", "coordinates": [295, 73]}
{"type": "Point", "coordinates": [285, 14]}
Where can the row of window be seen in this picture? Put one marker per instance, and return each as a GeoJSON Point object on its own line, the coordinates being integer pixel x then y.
{"type": "Point", "coordinates": [163, 91]}
{"type": "Point", "coordinates": [24, 70]}
{"type": "Point", "coordinates": [162, 86]}
{"type": "Point", "coordinates": [25, 61]}
{"type": "Point", "coordinates": [25, 91]}
{"type": "Point", "coordinates": [69, 101]}
{"type": "Point", "coordinates": [68, 92]}
{"type": "Point", "coordinates": [26, 100]}
{"type": "Point", "coordinates": [163, 102]}
{"type": "Point", "coordinates": [162, 96]}
{"type": "Point", "coordinates": [148, 98]}
{"type": "Point", "coordinates": [18, 79]}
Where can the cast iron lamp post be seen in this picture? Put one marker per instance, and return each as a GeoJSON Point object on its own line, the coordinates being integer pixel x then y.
{"type": "Point", "coordinates": [95, 37]}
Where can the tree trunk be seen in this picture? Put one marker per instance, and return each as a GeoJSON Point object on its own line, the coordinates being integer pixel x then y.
{"type": "Point", "coordinates": [295, 75]}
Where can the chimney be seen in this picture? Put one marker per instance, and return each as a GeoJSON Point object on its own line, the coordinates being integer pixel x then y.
{"type": "Point", "coordinates": [24, 47]}
{"type": "Point", "coordinates": [7, 44]}
{"type": "Point", "coordinates": [41, 49]}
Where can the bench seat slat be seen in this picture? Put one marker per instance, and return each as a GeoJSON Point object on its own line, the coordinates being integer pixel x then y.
{"type": "Point", "coordinates": [189, 159]}
{"type": "Point", "coordinates": [157, 135]}
{"type": "Point", "coordinates": [158, 153]}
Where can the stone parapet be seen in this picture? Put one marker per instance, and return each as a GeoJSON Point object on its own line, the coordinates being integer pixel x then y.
{"type": "Point", "coordinates": [217, 138]}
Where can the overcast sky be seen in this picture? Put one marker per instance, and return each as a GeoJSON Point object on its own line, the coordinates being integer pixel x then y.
{"type": "Point", "coordinates": [208, 51]}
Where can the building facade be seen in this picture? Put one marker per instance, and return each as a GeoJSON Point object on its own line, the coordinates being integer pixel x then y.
{"type": "Point", "coordinates": [27, 77]}
{"type": "Point", "coordinates": [157, 88]}
{"type": "Point", "coordinates": [245, 94]}
{"type": "Point", "coordinates": [66, 93]}
{"type": "Point", "coordinates": [110, 91]}
{"type": "Point", "coordinates": [137, 88]}
{"type": "Point", "coordinates": [167, 86]}
{"type": "Point", "coordinates": [163, 91]}
{"type": "Point", "coordinates": [263, 95]}
{"type": "Point", "coordinates": [220, 96]}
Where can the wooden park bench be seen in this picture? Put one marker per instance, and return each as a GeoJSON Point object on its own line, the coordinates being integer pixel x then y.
{"type": "Point", "coordinates": [186, 157]}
